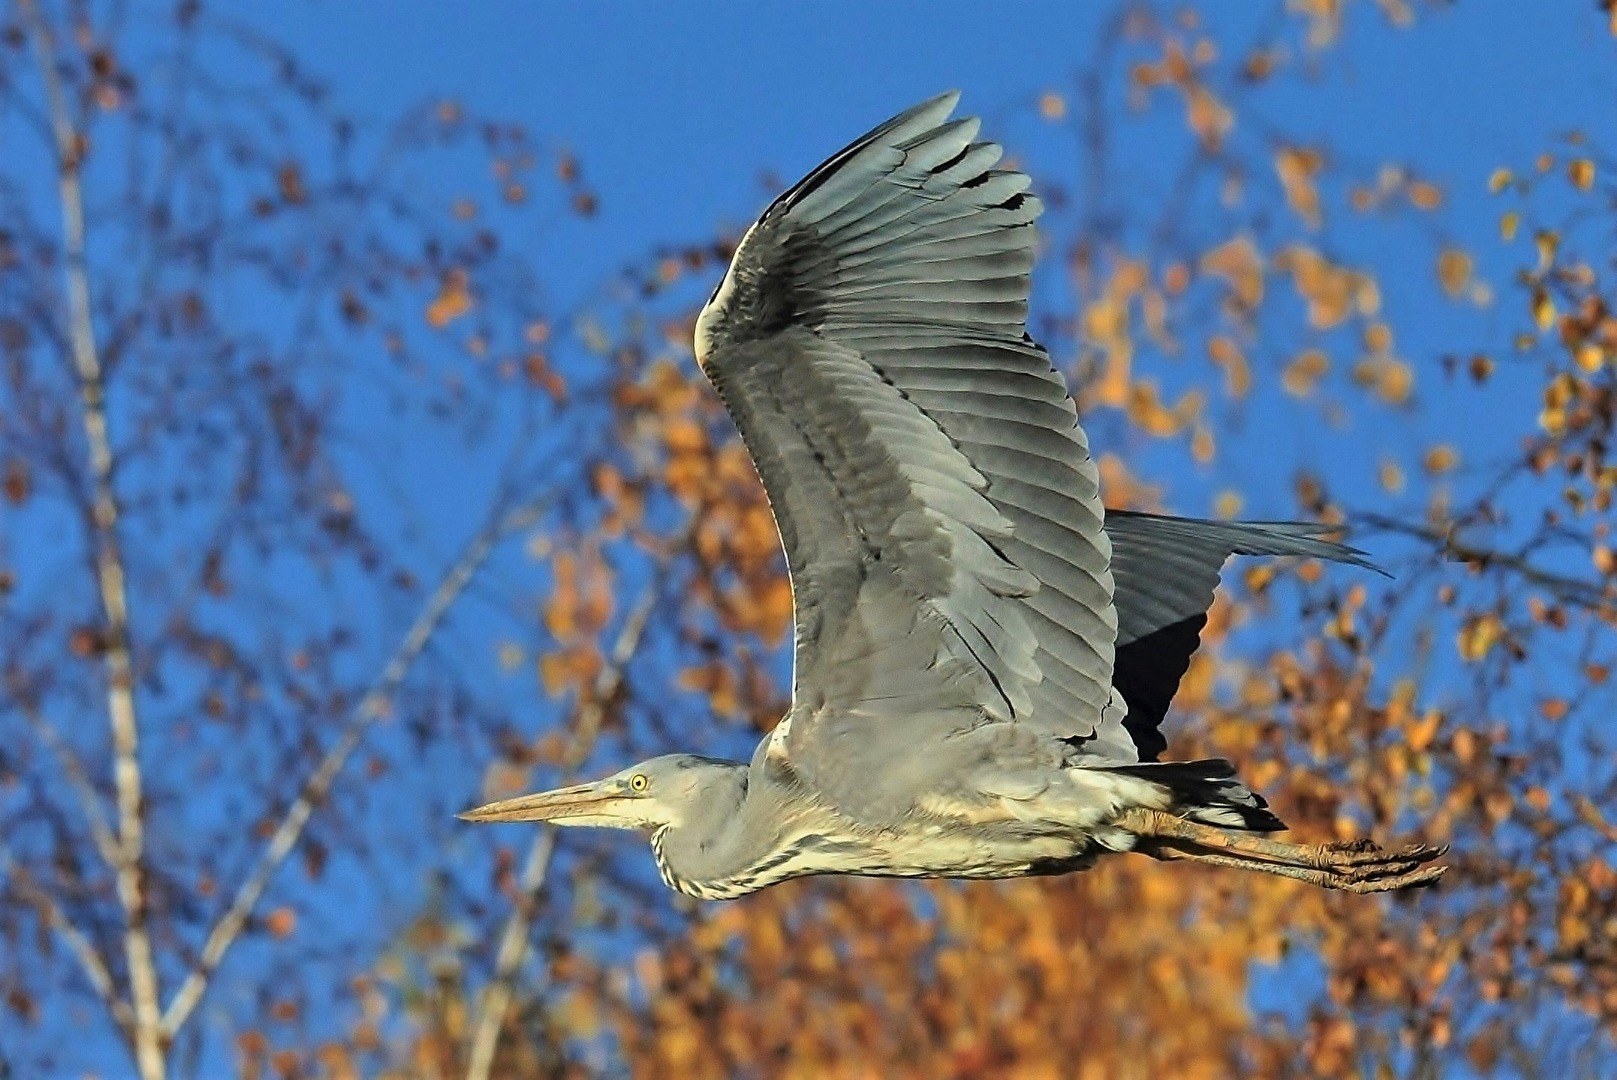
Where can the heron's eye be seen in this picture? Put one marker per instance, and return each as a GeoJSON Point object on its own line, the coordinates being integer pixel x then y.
{"type": "Point", "coordinates": [638, 782]}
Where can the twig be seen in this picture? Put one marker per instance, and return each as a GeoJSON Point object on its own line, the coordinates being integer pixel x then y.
{"type": "Point", "coordinates": [95, 968]}
{"type": "Point", "coordinates": [106, 841]}
{"type": "Point", "coordinates": [371, 707]}
{"type": "Point", "coordinates": [496, 999]}
{"type": "Point", "coordinates": [1575, 590]}
{"type": "Point", "coordinates": [109, 569]}
{"type": "Point", "coordinates": [1592, 817]}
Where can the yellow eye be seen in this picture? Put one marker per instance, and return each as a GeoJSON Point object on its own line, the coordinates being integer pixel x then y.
{"type": "Point", "coordinates": [638, 782]}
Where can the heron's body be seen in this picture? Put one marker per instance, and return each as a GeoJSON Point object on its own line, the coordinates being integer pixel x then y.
{"type": "Point", "coordinates": [983, 653]}
{"type": "Point", "coordinates": [736, 839]}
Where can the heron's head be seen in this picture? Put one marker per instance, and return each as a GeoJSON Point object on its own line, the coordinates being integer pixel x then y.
{"type": "Point", "coordinates": [649, 795]}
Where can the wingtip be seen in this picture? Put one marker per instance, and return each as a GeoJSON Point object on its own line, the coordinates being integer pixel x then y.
{"type": "Point", "coordinates": [1352, 556]}
{"type": "Point", "coordinates": [936, 109]}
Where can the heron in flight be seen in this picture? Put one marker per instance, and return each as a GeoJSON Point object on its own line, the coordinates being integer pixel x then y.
{"type": "Point", "coordinates": [983, 652]}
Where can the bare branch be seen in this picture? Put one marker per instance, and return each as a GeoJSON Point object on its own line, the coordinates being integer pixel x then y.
{"type": "Point", "coordinates": [372, 706]}
{"type": "Point", "coordinates": [109, 565]}
{"type": "Point", "coordinates": [95, 968]}
{"type": "Point", "coordinates": [1568, 589]}
{"type": "Point", "coordinates": [496, 999]}
{"type": "Point", "coordinates": [106, 842]}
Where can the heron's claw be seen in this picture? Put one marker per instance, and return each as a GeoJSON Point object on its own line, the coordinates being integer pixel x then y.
{"type": "Point", "coordinates": [1374, 881]}
{"type": "Point", "coordinates": [1367, 853]}
{"type": "Point", "coordinates": [1357, 866]}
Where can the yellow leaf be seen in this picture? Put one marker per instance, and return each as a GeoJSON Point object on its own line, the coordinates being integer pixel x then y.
{"type": "Point", "coordinates": [1301, 374]}
{"type": "Point", "coordinates": [685, 436]}
{"type": "Point", "coordinates": [1581, 171]}
{"type": "Point", "coordinates": [1227, 355]}
{"type": "Point", "coordinates": [454, 299]}
{"type": "Point", "coordinates": [1509, 222]}
{"type": "Point", "coordinates": [1148, 413]}
{"type": "Point", "coordinates": [1390, 378]}
{"type": "Point", "coordinates": [1603, 559]}
{"type": "Point", "coordinates": [1208, 117]}
{"type": "Point", "coordinates": [1422, 732]}
{"type": "Point", "coordinates": [1547, 241]}
{"type": "Point", "coordinates": [1478, 635]}
{"type": "Point", "coordinates": [1052, 106]}
{"type": "Point", "coordinates": [1425, 195]}
{"type": "Point", "coordinates": [1543, 309]}
{"type": "Point", "coordinates": [1297, 167]}
{"type": "Point", "coordinates": [1237, 262]}
{"type": "Point", "coordinates": [1391, 476]}
{"type": "Point", "coordinates": [1440, 459]}
{"type": "Point", "coordinates": [1499, 180]}
{"type": "Point", "coordinates": [1553, 420]}
{"type": "Point", "coordinates": [1454, 270]}
{"type": "Point", "coordinates": [1202, 446]}
{"type": "Point", "coordinates": [1378, 337]}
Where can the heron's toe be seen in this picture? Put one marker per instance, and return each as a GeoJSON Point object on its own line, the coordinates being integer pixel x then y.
{"type": "Point", "coordinates": [1418, 878]}
{"type": "Point", "coordinates": [1369, 855]}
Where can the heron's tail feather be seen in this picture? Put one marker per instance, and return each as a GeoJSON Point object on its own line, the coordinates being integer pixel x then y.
{"type": "Point", "coordinates": [1208, 791]}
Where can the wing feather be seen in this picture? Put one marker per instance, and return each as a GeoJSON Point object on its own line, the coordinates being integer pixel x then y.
{"type": "Point", "coordinates": [935, 494]}
{"type": "Point", "coordinates": [1166, 570]}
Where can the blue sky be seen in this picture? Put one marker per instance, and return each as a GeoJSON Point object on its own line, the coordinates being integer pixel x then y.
{"type": "Point", "coordinates": [680, 114]}
{"type": "Point", "coordinates": [677, 108]}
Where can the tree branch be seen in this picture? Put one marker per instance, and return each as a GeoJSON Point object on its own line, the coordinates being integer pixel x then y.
{"type": "Point", "coordinates": [109, 566]}
{"type": "Point", "coordinates": [371, 707]}
{"type": "Point", "coordinates": [95, 968]}
{"type": "Point", "coordinates": [1572, 590]}
{"type": "Point", "coordinates": [106, 842]}
{"type": "Point", "coordinates": [496, 999]}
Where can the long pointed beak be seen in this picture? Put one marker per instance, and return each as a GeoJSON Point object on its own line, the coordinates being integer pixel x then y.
{"type": "Point", "coordinates": [585, 800]}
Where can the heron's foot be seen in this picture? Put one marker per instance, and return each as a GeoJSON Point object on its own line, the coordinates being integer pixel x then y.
{"type": "Point", "coordinates": [1359, 866]}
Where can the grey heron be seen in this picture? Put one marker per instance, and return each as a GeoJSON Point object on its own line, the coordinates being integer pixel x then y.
{"type": "Point", "coordinates": [983, 654]}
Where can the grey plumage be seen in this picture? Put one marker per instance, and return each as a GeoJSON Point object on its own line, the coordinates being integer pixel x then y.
{"type": "Point", "coordinates": [983, 654]}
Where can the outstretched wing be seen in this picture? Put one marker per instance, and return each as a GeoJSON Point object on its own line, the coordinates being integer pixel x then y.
{"type": "Point", "coordinates": [939, 508]}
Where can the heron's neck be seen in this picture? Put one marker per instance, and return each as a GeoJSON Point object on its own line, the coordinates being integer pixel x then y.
{"type": "Point", "coordinates": [715, 852]}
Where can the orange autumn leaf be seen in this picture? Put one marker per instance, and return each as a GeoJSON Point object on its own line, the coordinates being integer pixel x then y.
{"type": "Point", "coordinates": [1297, 168]}
{"type": "Point", "coordinates": [1299, 377]}
{"type": "Point", "coordinates": [1479, 635]}
{"type": "Point", "coordinates": [1333, 292]}
{"type": "Point", "coordinates": [1237, 373]}
{"type": "Point", "coordinates": [1238, 263]}
{"type": "Point", "coordinates": [1454, 269]}
{"type": "Point", "coordinates": [454, 300]}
